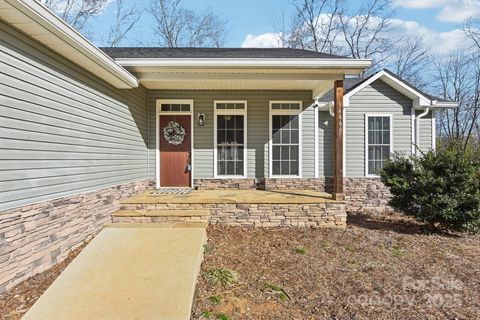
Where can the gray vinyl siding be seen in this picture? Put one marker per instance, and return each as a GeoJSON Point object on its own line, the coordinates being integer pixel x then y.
{"type": "Point", "coordinates": [425, 127]}
{"type": "Point", "coordinates": [257, 128]}
{"type": "Point", "coordinates": [325, 144]}
{"type": "Point", "coordinates": [377, 97]}
{"type": "Point", "coordinates": [63, 131]}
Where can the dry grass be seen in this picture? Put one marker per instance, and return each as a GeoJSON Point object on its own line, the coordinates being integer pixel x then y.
{"type": "Point", "coordinates": [378, 268]}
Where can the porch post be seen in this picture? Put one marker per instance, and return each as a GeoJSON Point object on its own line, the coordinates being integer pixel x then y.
{"type": "Point", "coordinates": [338, 142]}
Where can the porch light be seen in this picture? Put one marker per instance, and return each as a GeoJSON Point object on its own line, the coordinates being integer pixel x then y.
{"type": "Point", "coordinates": [201, 119]}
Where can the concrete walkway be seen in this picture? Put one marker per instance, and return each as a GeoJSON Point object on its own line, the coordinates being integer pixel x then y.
{"type": "Point", "coordinates": [145, 271]}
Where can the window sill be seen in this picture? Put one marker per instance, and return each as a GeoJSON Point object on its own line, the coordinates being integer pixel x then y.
{"type": "Point", "coordinates": [229, 177]}
{"type": "Point", "coordinates": [285, 177]}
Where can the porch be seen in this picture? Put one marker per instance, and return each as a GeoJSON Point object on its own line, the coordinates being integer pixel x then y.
{"type": "Point", "coordinates": [246, 208]}
{"type": "Point", "coordinates": [222, 119]}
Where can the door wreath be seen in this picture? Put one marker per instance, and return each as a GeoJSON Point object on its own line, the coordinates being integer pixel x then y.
{"type": "Point", "coordinates": [174, 133]}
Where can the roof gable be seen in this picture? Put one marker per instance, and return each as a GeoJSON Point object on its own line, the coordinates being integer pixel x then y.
{"type": "Point", "coordinates": [420, 99]}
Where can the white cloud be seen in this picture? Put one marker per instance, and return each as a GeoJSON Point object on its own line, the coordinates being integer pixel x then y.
{"type": "Point", "coordinates": [421, 4]}
{"type": "Point", "coordinates": [264, 40]}
{"type": "Point", "coordinates": [459, 12]}
{"type": "Point", "coordinates": [450, 10]}
{"type": "Point", "coordinates": [442, 43]}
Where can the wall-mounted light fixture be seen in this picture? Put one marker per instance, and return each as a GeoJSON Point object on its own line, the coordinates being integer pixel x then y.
{"type": "Point", "coordinates": [201, 119]}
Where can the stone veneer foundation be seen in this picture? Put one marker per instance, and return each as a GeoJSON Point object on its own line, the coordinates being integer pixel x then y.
{"type": "Point", "coordinates": [35, 237]}
{"type": "Point", "coordinates": [218, 184]}
{"type": "Point", "coordinates": [325, 214]}
{"type": "Point", "coordinates": [324, 184]}
{"type": "Point", "coordinates": [365, 194]}
{"type": "Point", "coordinates": [368, 195]}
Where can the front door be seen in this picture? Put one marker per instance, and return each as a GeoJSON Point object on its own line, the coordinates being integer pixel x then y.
{"type": "Point", "coordinates": [175, 148]}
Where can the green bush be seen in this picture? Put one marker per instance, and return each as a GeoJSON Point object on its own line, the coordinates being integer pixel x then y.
{"type": "Point", "coordinates": [440, 188]}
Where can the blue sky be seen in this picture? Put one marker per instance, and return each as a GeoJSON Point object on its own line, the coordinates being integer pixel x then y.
{"type": "Point", "coordinates": [437, 20]}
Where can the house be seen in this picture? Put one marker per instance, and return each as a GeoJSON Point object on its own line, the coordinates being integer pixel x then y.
{"type": "Point", "coordinates": [83, 127]}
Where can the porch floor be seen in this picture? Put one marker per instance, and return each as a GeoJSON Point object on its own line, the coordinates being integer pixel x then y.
{"type": "Point", "coordinates": [234, 197]}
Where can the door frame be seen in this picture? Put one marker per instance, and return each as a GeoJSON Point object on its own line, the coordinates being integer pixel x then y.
{"type": "Point", "coordinates": [158, 113]}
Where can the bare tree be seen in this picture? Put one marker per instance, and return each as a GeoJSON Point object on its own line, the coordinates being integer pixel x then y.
{"type": "Point", "coordinates": [366, 31]}
{"type": "Point", "coordinates": [180, 27]}
{"type": "Point", "coordinates": [313, 26]}
{"type": "Point", "coordinates": [316, 24]}
{"type": "Point", "coordinates": [457, 78]}
{"type": "Point", "coordinates": [125, 20]}
{"type": "Point", "coordinates": [409, 58]}
{"type": "Point", "coordinates": [76, 12]}
{"type": "Point", "coordinates": [472, 31]}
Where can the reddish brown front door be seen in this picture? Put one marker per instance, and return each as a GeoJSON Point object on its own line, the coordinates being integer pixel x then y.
{"type": "Point", "coordinates": [175, 158]}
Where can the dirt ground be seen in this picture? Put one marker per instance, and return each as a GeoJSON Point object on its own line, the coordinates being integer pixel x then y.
{"type": "Point", "coordinates": [377, 268]}
{"type": "Point", "coordinates": [15, 302]}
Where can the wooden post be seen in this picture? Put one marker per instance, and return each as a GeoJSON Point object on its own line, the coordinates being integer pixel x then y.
{"type": "Point", "coordinates": [338, 142]}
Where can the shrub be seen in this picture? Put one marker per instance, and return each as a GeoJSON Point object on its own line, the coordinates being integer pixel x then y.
{"type": "Point", "coordinates": [440, 188]}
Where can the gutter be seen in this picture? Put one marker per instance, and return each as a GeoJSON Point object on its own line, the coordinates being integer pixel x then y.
{"type": "Point", "coordinates": [341, 63]}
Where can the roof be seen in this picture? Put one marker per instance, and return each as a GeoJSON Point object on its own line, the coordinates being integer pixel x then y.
{"type": "Point", "coordinates": [215, 53]}
{"type": "Point", "coordinates": [351, 85]}
{"type": "Point", "coordinates": [416, 88]}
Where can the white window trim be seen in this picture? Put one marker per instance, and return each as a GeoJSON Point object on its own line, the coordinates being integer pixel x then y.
{"type": "Point", "coordinates": [316, 140]}
{"type": "Point", "coordinates": [273, 112]}
{"type": "Point", "coordinates": [371, 115]}
{"type": "Point", "coordinates": [158, 112]}
{"type": "Point", "coordinates": [232, 112]}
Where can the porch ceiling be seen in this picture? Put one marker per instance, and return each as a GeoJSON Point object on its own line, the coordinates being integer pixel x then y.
{"type": "Point", "coordinates": [238, 79]}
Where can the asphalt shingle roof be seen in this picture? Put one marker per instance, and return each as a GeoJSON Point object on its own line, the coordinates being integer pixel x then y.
{"type": "Point", "coordinates": [215, 53]}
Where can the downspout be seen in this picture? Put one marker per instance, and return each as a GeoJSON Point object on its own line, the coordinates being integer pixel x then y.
{"type": "Point", "coordinates": [417, 129]}
{"type": "Point", "coordinates": [330, 110]}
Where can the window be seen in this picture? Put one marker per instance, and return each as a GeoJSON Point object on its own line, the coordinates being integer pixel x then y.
{"type": "Point", "coordinates": [285, 139]}
{"type": "Point", "coordinates": [378, 131]}
{"type": "Point", "coordinates": [170, 107]}
{"type": "Point", "coordinates": [285, 106]}
{"type": "Point", "coordinates": [230, 138]}
{"type": "Point", "coordinates": [230, 106]}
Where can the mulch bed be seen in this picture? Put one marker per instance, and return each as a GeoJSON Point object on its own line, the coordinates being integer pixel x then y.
{"type": "Point", "coordinates": [377, 268]}
{"type": "Point", "coordinates": [15, 302]}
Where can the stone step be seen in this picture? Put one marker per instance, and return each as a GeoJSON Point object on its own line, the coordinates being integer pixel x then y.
{"type": "Point", "coordinates": [174, 225]}
{"type": "Point", "coordinates": [160, 216]}
{"type": "Point", "coordinates": [160, 213]}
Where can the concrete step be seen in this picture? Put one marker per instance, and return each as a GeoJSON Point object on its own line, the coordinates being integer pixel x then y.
{"type": "Point", "coordinates": [160, 216]}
